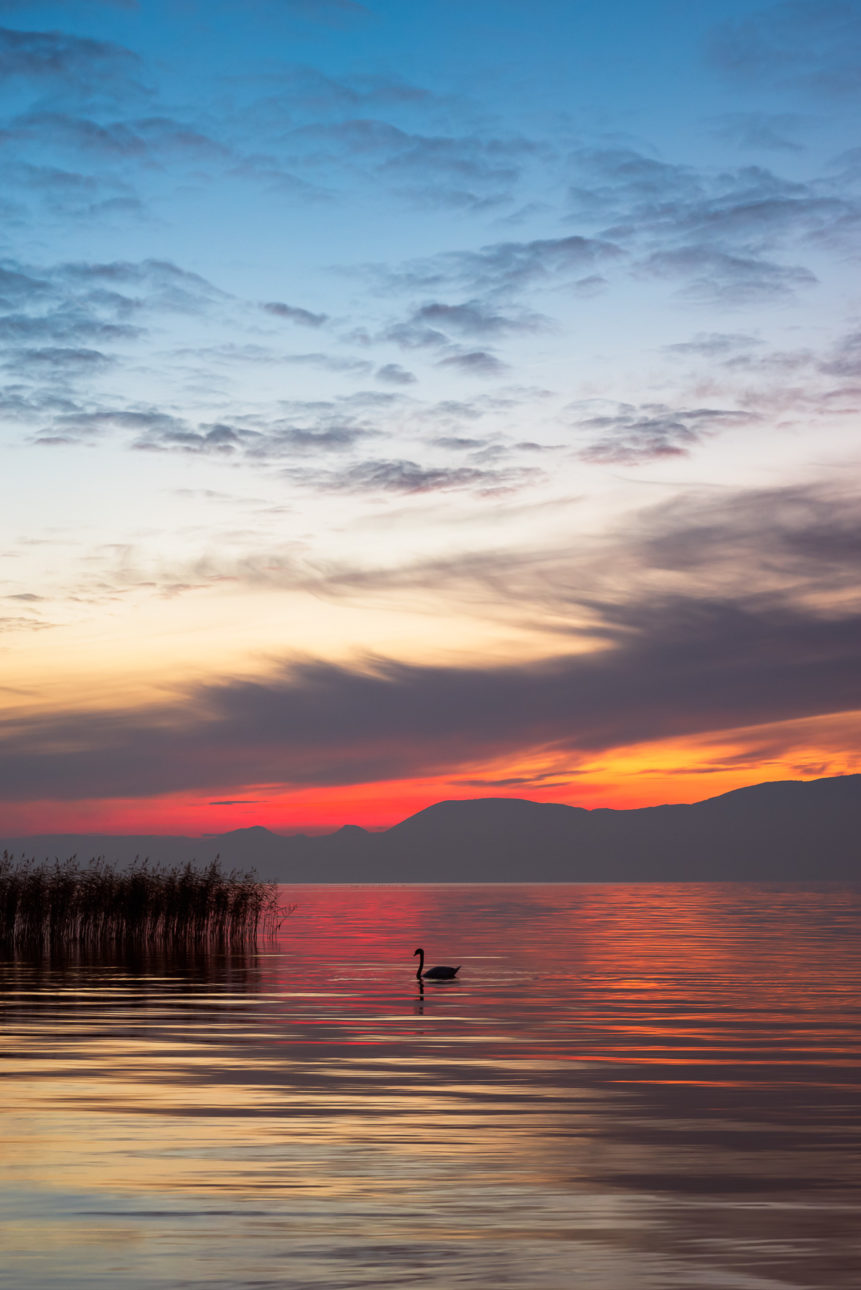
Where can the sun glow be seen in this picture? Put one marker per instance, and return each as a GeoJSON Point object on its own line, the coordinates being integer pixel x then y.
{"type": "Point", "coordinates": [643, 775]}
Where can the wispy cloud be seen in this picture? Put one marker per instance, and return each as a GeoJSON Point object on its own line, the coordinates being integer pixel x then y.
{"type": "Point", "coordinates": [674, 668]}
{"type": "Point", "coordinates": [720, 228]}
{"type": "Point", "coordinates": [409, 477]}
{"type": "Point", "coordinates": [58, 358]}
{"type": "Point", "coordinates": [394, 374]}
{"type": "Point", "coordinates": [61, 56]}
{"type": "Point", "coordinates": [760, 131]}
{"type": "Point", "coordinates": [259, 442]}
{"type": "Point", "coordinates": [813, 45]}
{"type": "Point", "coordinates": [845, 358]}
{"type": "Point", "coordinates": [503, 267]}
{"type": "Point", "coordinates": [475, 362]}
{"type": "Point", "coordinates": [476, 319]}
{"type": "Point", "coordinates": [294, 314]}
{"type": "Point", "coordinates": [715, 277]}
{"type": "Point", "coordinates": [714, 344]}
{"type": "Point", "coordinates": [630, 436]}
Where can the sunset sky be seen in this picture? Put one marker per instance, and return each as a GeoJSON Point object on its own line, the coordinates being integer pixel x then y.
{"type": "Point", "coordinates": [418, 399]}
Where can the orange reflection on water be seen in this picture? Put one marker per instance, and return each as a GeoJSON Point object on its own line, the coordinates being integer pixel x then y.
{"type": "Point", "coordinates": [618, 1074]}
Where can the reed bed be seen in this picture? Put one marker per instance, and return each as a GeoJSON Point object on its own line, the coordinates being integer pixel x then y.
{"type": "Point", "coordinates": [50, 904]}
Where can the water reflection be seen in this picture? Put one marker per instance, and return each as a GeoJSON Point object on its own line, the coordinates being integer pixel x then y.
{"type": "Point", "coordinates": [627, 1086]}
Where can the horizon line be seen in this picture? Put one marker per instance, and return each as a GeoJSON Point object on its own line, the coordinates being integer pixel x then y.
{"type": "Point", "coordinates": [305, 832]}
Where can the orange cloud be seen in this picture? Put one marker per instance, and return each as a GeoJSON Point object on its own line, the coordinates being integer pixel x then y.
{"type": "Point", "coordinates": [682, 770]}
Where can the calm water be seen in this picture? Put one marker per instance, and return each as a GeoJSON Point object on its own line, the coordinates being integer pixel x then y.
{"type": "Point", "coordinates": [629, 1086]}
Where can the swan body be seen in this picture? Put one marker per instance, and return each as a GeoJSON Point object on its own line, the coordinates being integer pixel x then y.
{"type": "Point", "coordinates": [441, 973]}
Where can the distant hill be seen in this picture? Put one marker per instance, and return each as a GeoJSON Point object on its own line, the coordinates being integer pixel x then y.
{"type": "Point", "coordinates": [786, 831]}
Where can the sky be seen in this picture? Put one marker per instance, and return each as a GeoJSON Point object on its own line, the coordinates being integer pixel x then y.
{"type": "Point", "coordinates": [411, 400]}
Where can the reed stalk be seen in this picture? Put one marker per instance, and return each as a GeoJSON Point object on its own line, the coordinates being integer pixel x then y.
{"type": "Point", "coordinates": [63, 903]}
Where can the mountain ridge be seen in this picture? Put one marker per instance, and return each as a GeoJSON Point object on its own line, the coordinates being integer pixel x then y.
{"type": "Point", "coordinates": [792, 830]}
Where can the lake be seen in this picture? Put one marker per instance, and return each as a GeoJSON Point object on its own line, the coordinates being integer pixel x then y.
{"type": "Point", "coordinates": [628, 1087]}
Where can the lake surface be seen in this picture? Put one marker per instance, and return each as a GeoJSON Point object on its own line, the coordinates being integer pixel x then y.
{"type": "Point", "coordinates": [629, 1087]}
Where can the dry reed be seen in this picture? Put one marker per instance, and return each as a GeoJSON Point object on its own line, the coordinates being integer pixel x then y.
{"type": "Point", "coordinates": [64, 903]}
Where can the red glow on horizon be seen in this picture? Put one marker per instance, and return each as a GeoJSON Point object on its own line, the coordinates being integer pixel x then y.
{"type": "Point", "coordinates": [372, 806]}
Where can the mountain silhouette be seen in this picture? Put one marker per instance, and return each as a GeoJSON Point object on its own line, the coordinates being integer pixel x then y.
{"type": "Point", "coordinates": [791, 830]}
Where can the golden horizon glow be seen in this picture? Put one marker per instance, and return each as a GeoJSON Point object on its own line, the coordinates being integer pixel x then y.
{"type": "Point", "coordinates": [626, 779]}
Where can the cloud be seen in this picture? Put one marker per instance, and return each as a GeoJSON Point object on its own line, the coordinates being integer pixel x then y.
{"type": "Point", "coordinates": [611, 183]}
{"type": "Point", "coordinates": [78, 425]}
{"type": "Point", "coordinates": [60, 56]}
{"type": "Point", "coordinates": [718, 277]}
{"type": "Point", "coordinates": [814, 45]}
{"type": "Point", "coordinates": [57, 358]}
{"type": "Point", "coordinates": [294, 314]}
{"type": "Point", "coordinates": [106, 138]}
{"type": "Point", "coordinates": [68, 317]}
{"type": "Point", "coordinates": [483, 162]}
{"type": "Point", "coordinates": [505, 266]}
{"type": "Point", "coordinates": [113, 140]}
{"type": "Point", "coordinates": [459, 443]}
{"type": "Point", "coordinates": [319, 96]}
{"type": "Point", "coordinates": [430, 196]}
{"type": "Point", "coordinates": [671, 667]}
{"type": "Point", "coordinates": [797, 547]}
{"type": "Point", "coordinates": [461, 171]}
{"type": "Point", "coordinates": [762, 625]}
{"type": "Point", "coordinates": [846, 167]}
{"type": "Point", "coordinates": [759, 131]}
{"type": "Point", "coordinates": [757, 217]}
{"type": "Point", "coordinates": [473, 318]}
{"type": "Point", "coordinates": [714, 344]}
{"type": "Point", "coordinates": [475, 362]}
{"type": "Point", "coordinates": [452, 412]}
{"type": "Point", "coordinates": [331, 362]}
{"type": "Point", "coordinates": [408, 477]}
{"type": "Point", "coordinates": [552, 778]}
{"type": "Point", "coordinates": [468, 157]}
{"type": "Point", "coordinates": [17, 285]}
{"type": "Point", "coordinates": [845, 359]}
{"type": "Point", "coordinates": [168, 286]}
{"type": "Point", "coordinates": [213, 440]}
{"type": "Point", "coordinates": [409, 335]}
{"type": "Point", "coordinates": [779, 363]}
{"type": "Point", "coordinates": [262, 441]}
{"type": "Point", "coordinates": [69, 192]}
{"type": "Point", "coordinates": [238, 801]}
{"type": "Point", "coordinates": [19, 403]}
{"type": "Point", "coordinates": [282, 430]}
{"type": "Point", "coordinates": [168, 136]}
{"type": "Point", "coordinates": [333, 436]}
{"type": "Point", "coordinates": [147, 139]}
{"type": "Point", "coordinates": [630, 436]}
{"type": "Point", "coordinates": [63, 326]}
{"type": "Point", "coordinates": [796, 542]}
{"type": "Point", "coordinates": [592, 285]}
{"type": "Point", "coordinates": [743, 213]}
{"type": "Point", "coordinates": [8, 623]}
{"type": "Point", "coordinates": [394, 374]}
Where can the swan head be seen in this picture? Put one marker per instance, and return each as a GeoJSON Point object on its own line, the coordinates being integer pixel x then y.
{"type": "Point", "coordinates": [419, 951]}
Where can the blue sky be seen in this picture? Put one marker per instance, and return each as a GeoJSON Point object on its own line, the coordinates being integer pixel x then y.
{"type": "Point", "coordinates": [410, 342]}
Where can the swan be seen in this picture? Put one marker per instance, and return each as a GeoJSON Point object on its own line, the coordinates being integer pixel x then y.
{"type": "Point", "coordinates": [434, 973]}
